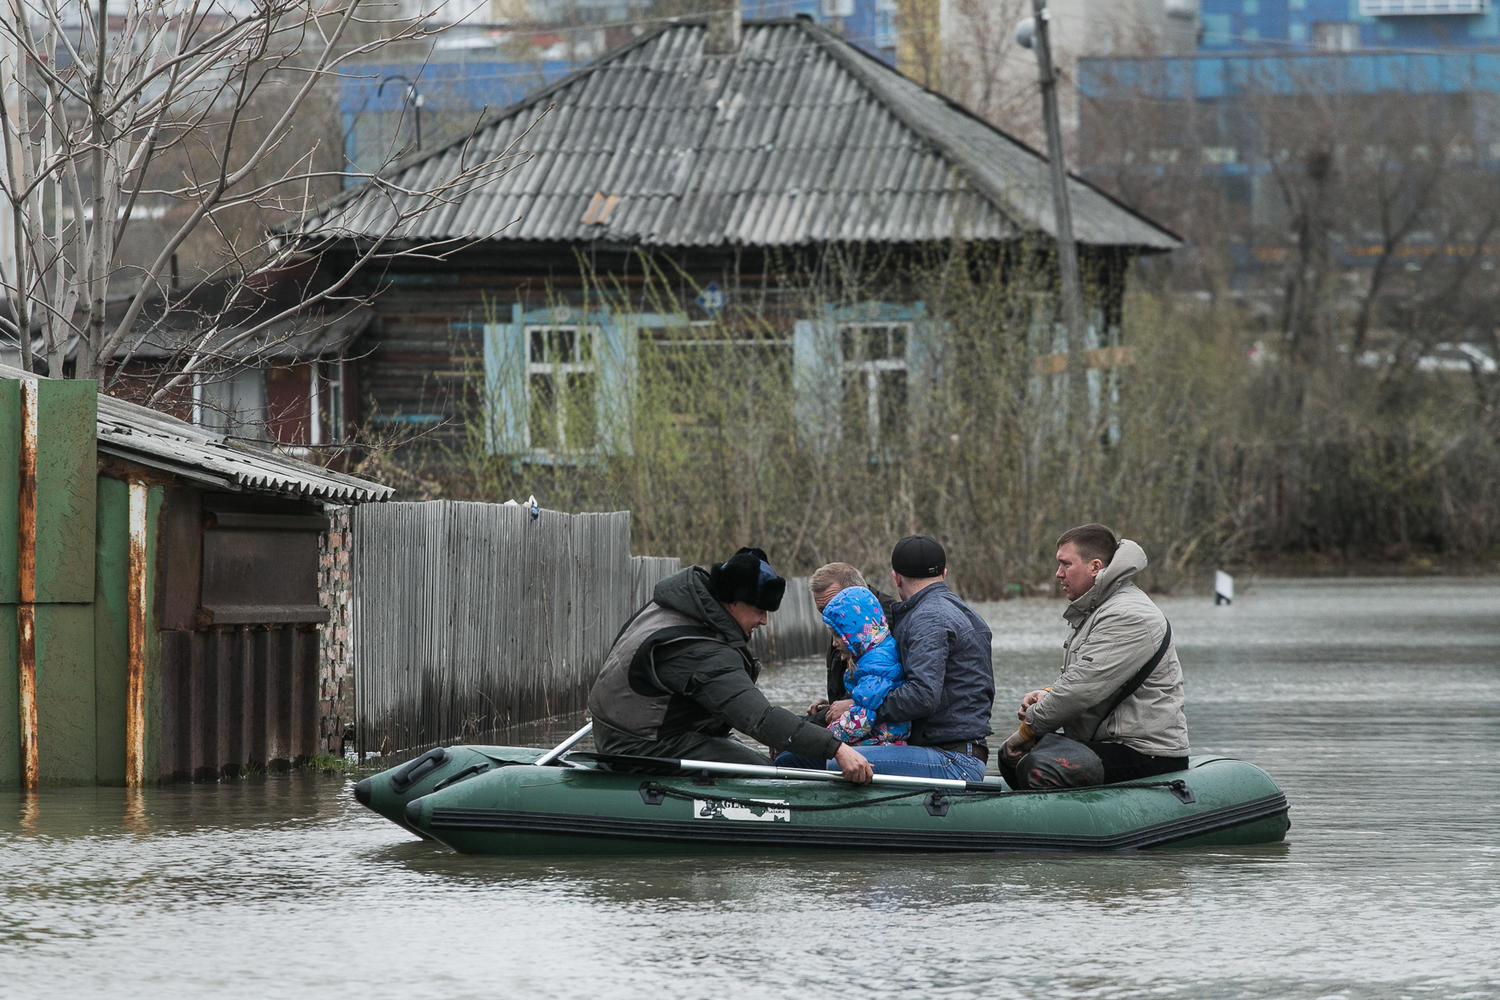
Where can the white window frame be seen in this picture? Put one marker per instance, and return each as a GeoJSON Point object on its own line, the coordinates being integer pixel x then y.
{"type": "Point", "coordinates": [559, 370]}
{"type": "Point", "coordinates": [209, 390]}
{"type": "Point", "coordinates": [879, 439]}
{"type": "Point", "coordinates": [1335, 36]}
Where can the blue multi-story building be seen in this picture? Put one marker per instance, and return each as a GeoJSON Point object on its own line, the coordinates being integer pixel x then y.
{"type": "Point", "coordinates": [1240, 26]}
{"type": "Point", "coordinates": [1287, 100]}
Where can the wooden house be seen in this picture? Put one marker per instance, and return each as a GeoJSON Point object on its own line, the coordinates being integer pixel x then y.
{"type": "Point", "coordinates": [754, 163]}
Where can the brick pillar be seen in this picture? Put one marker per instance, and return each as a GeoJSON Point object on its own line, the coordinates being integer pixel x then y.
{"type": "Point", "coordinates": [335, 673]}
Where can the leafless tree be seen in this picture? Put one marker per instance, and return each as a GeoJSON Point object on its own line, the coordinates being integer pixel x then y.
{"type": "Point", "coordinates": [206, 119]}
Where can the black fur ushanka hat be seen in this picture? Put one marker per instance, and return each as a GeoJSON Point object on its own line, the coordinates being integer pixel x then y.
{"type": "Point", "coordinates": [747, 576]}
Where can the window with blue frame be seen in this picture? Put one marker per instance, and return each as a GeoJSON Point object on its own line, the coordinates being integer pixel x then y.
{"type": "Point", "coordinates": [558, 384]}
{"type": "Point", "coordinates": [562, 388]}
{"type": "Point", "coordinates": [873, 369]}
{"type": "Point", "coordinates": [857, 374]}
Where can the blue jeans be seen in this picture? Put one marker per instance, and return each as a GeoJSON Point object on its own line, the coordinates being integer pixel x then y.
{"type": "Point", "coordinates": [914, 762]}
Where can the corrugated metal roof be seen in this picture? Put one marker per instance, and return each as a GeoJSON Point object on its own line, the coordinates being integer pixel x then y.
{"type": "Point", "coordinates": [799, 138]}
{"type": "Point", "coordinates": [138, 434]}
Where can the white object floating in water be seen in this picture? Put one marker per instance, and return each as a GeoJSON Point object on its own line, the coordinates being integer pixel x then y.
{"type": "Point", "coordinates": [1223, 587]}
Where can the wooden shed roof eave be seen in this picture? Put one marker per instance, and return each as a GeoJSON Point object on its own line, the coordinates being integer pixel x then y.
{"type": "Point", "coordinates": [502, 244]}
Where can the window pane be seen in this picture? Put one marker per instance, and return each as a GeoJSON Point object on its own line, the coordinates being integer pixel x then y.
{"type": "Point", "coordinates": [543, 416]}
{"type": "Point", "coordinates": [892, 410]}
{"type": "Point", "coordinates": [580, 424]}
{"type": "Point", "coordinates": [898, 342]}
{"type": "Point", "coordinates": [856, 412]}
{"type": "Point", "coordinates": [538, 348]}
{"type": "Point", "coordinates": [559, 346]}
{"type": "Point", "coordinates": [585, 343]}
{"type": "Point", "coordinates": [850, 347]}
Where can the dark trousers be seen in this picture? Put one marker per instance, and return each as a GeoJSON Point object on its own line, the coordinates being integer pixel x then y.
{"type": "Point", "coordinates": [1058, 762]}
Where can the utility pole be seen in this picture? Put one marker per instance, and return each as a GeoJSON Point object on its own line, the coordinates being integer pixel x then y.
{"type": "Point", "coordinates": [1067, 250]}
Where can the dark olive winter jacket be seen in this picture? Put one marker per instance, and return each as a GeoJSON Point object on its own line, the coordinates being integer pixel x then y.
{"type": "Point", "coordinates": [682, 665]}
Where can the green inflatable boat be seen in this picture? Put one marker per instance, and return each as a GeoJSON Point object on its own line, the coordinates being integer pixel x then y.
{"type": "Point", "coordinates": [516, 800]}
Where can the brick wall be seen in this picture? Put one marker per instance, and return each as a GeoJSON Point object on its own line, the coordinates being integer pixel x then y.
{"type": "Point", "coordinates": [335, 673]}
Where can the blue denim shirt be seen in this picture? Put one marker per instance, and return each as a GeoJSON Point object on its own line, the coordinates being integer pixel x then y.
{"type": "Point", "coordinates": [949, 692]}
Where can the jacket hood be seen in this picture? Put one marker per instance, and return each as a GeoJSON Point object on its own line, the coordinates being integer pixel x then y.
{"type": "Point", "coordinates": [1129, 560]}
{"type": "Point", "coordinates": [686, 591]}
{"type": "Point", "coordinates": [855, 614]}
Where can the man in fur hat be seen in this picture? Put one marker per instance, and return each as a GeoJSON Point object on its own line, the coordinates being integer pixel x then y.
{"type": "Point", "coordinates": [680, 675]}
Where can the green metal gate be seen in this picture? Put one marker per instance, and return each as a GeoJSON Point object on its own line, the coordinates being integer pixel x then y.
{"type": "Point", "coordinates": [77, 552]}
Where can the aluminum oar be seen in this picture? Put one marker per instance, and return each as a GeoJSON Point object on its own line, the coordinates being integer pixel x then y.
{"type": "Point", "coordinates": [667, 765]}
{"type": "Point", "coordinates": [562, 747]}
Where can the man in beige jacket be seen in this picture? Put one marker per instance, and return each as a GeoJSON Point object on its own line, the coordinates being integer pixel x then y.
{"type": "Point", "coordinates": [1118, 701]}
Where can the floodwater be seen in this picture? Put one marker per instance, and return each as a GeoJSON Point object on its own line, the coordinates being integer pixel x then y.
{"type": "Point", "coordinates": [1375, 704]}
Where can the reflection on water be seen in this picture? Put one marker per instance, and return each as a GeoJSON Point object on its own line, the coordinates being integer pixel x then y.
{"type": "Point", "coordinates": [1376, 704]}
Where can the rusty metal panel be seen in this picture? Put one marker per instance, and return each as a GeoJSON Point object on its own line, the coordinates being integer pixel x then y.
{"type": "Point", "coordinates": [26, 493]}
{"type": "Point", "coordinates": [138, 634]}
{"type": "Point", "coordinates": [237, 698]}
{"type": "Point", "coordinates": [10, 459]}
{"type": "Point", "coordinates": [260, 567]}
{"type": "Point", "coordinates": [111, 628]}
{"type": "Point", "coordinates": [30, 767]}
{"type": "Point", "coordinates": [181, 559]}
{"type": "Point", "coordinates": [125, 646]}
{"type": "Point", "coordinates": [64, 707]}
{"type": "Point", "coordinates": [173, 711]}
{"type": "Point", "coordinates": [10, 730]}
{"type": "Point", "coordinates": [26, 658]}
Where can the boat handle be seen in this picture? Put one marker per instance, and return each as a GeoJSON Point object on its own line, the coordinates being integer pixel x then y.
{"type": "Point", "coordinates": [467, 772]}
{"type": "Point", "coordinates": [418, 769]}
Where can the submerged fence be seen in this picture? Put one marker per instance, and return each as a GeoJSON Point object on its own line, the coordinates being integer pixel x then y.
{"type": "Point", "coordinates": [470, 617]}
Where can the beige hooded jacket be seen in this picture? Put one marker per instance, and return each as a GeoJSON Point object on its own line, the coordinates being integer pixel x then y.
{"type": "Point", "coordinates": [1116, 629]}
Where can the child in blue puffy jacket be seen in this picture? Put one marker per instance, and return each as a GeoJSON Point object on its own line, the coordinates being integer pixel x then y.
{"type": "Point", "coordinates": [860, 627]}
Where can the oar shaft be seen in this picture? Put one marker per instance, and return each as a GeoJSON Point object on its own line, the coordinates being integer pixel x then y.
{"type": "Point", "coordinates": [562, 747]}
{"type": "Point", "coordinates": [805, 774]}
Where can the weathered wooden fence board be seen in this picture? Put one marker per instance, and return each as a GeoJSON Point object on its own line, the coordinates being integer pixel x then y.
{"type": "Point", "coordinates": [471, 617]}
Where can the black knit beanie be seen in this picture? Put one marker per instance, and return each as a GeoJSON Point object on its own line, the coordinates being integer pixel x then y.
{"type": "Point", "coordinates": [747, 576]}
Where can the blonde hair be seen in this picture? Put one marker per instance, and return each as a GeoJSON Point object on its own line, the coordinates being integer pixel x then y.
{"type": "Point", "coordinates": [835, 574]}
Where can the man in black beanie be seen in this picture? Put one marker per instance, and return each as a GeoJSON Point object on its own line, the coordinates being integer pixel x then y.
{"type": "Point", "coordinates": [680, 676]}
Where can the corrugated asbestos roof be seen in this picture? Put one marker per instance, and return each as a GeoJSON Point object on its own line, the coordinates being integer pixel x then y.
{"type": "Point", "coordinates": [799, 138]}
{"type": "Point", "coordinates": [138, 434]}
